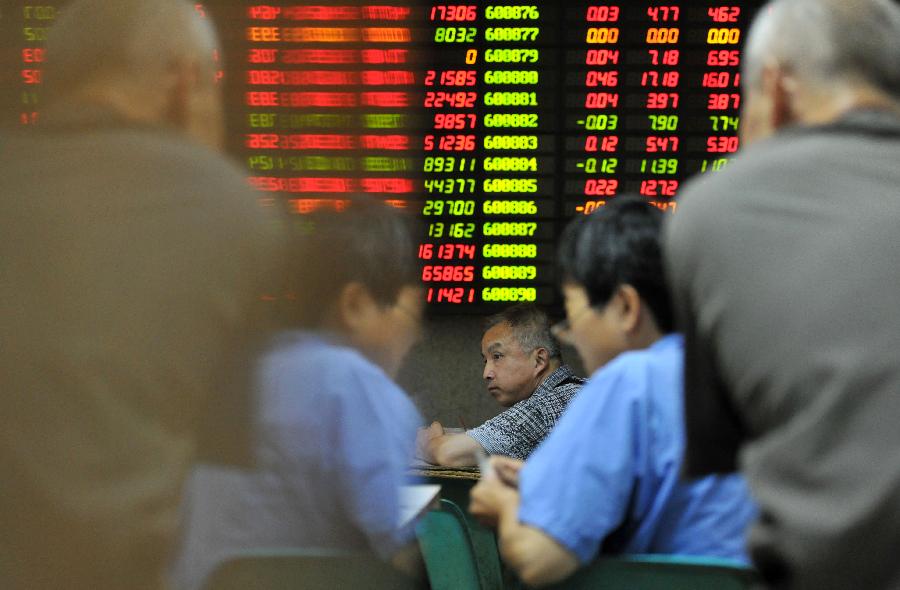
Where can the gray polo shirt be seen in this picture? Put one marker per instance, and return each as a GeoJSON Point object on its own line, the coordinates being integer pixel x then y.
{"type": "Point", "coordinates": [786, 279]}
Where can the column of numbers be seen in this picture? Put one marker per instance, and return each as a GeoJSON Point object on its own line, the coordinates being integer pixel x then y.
{"type": "Point", "coordinates": [659, 165]}
{"type": "Point", "coordinates": [35, 21]}
{"type": "Point", "coordinates": [449, 165]}
{"type": "Point", "coordinates": [511, 145]}
{"type": "Point", "coordinates": [602, 121]}
{"type": "Point", "coordinates": [721, 81]}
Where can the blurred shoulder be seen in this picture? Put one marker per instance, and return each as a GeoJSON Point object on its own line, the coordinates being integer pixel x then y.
{"type": "Point", "coordinates": [767, 165]}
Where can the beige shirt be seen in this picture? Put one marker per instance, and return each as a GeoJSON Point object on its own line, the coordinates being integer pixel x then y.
{"type": "Point", "coordinates": [132, 269]}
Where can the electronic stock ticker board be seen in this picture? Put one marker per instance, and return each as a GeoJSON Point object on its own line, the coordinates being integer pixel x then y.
{"type": "Point", "coordinates": [495, 122]}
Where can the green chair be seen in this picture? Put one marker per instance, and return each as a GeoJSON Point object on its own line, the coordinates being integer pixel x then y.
{"type": "Point", "coordinates": [290, 569]}
{"type": "Point", "coordinates": [447, 549]}
{"type": "Point", "coordinates": [661, 572]}
{"type": "Point", "coordinates": [487, 556]}
{"type": "Point", "coordinates": [456, 489]}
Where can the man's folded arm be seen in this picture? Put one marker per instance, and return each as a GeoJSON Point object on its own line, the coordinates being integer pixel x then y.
{"type": "Point", "coordinates": [454, 450]}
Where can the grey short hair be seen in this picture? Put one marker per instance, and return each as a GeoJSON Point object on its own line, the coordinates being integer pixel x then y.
{"type": "Point", "coordinates": [854, 42]}
{"type": "Point", "coordinates": [530, 325]}
{"type": "Point", "coordinates": [129, 42]}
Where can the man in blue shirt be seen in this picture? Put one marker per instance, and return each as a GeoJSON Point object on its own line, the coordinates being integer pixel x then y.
{"type": "Point", "coordinates": [607, 478]}
{"type": "Point", "coordinates": [334, 433]}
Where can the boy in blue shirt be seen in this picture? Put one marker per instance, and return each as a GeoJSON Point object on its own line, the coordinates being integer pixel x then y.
{"type": "Point", "coordinates": [607, 478]}
{"type": "Point", "coordinates": [334, 433]}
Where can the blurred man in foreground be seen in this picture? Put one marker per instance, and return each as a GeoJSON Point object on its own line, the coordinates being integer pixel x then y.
{"type": "Point", "coordinates": [524, 372]}
{"type": "Point", "coordinates": [785, 278]}
{"type": "Point", "coordinates": [607, 477]}
{"type": "Point", "coordinates": [334, 433]}
{"type": "Point", "coordinates": [134, 260]}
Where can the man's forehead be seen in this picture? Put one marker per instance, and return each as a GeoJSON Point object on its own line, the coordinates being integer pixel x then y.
{"type": "Point", "coordinates": [494, 346]}
{"type": "Point", "coordinates": [498, 338]}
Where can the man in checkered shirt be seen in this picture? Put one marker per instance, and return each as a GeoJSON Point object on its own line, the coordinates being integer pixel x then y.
{"type": "Point", "coordinates": [524, 372]}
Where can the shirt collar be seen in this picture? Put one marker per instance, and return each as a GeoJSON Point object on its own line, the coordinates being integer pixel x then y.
{"type": "Point", "coordinates": [563, 373]}
{"type": "Point", "coordinates": [868, 121]}
{"type": "Point", "coordinates": [668, 341]}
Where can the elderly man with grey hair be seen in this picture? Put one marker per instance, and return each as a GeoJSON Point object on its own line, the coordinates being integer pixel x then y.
{"type": "Point", "coordinates": [785, 277]}
{"type": "Point", "coordinates": [134, 261]}
{"type": "Point", "coordinates": [524, 372]}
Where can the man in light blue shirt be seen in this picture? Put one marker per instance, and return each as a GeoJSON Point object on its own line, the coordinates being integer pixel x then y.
{"type": "Point", "coordinates": [334, 434]}
{"type": "Point", "coordinates": [607, 478]}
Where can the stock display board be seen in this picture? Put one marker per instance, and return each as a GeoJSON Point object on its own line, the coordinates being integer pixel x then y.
{"type": "Point", "coordinates": [495, 122]}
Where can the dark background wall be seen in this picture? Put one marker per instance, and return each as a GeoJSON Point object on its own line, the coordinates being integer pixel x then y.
{"type": "Point", "coordinates": [443, 372]}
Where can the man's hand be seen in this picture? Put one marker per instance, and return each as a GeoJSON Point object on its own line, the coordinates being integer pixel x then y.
{"type": "Point", "coordinates": [536, 557]}
{"type": "Point", "coordinates": [423, 439]}
{"type": "Point", "coordinates": [450, 450]}
{"type": "Point", "coordinates": [491, 496]}
{"type": "Point", "coordinates": [507, 469]}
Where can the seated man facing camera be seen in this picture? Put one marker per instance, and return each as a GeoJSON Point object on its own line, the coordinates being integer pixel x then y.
{"type": "Point", "coordinates": [334, 433]}
{"type": "Point", "coordinates": [524, 372]}
{"type": "Point", "coordinates": [607, 477]}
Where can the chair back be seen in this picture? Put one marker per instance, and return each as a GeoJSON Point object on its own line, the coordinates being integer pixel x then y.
{"type": "Point", "coordinates": [487, 556]}
{"type": "Point", "coordinates": [301, 569]}
{"type": "Point", "coordinates": [447, 549]}
{"type": "Point", "coordinates": [661, 572]}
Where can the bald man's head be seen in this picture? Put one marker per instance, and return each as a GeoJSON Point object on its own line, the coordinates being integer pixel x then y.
{"type": "Point", "coordinates": [809, 61]}
{"type": "Point", "coordinates": [149, 60]}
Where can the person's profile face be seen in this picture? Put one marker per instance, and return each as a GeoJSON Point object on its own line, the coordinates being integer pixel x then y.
{"type": "Point", "coordinates": [764, 104]}
{"type": "Point", "coordinates": [207, 111]}
{"type": "Point", "coordinates": [396, 328]}
{"type": "Point", "coordinates": [509, 371]}
{"type": "Point", "coordinates": [593, 332]}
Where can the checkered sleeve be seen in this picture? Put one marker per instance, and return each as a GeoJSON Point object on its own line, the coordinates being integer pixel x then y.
{"type": "Point", "coordinates": [517, 431]}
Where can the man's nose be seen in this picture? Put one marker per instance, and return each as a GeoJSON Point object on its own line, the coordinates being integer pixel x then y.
{"type": "Point", "coordinates": [488, 373]}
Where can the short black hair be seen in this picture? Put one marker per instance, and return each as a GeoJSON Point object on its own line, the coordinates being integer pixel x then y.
{"type": "Point", "coordinates": [364, 241]}
{"type": "Point", "coordinates": [618, 244]}
{"type": "Point", "coordinates": [530, 325]}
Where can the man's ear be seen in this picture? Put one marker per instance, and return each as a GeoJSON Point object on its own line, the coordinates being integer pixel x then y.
{"type": "Point", "coordinates": [541, 359]}
{"type": "Point", "coordinates": [782, 87]}
{"type": "Point", "coordinates": [193, 102]}
{"type": "Point", "coordinates": [628, 309]}
{"type": "Point", "coordinates": [181, 78]}
{"type": "Point", "coordinates": [354, 306]}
